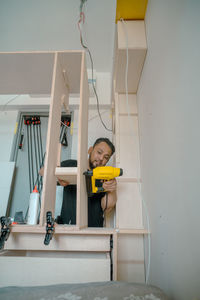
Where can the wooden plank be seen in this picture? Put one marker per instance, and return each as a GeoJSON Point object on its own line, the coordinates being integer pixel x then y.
{"type": "Point", "coordinates": [129, 206]}
{"type": "Point", "coordinates": [70, 62]}
{"type": "Point", "coordinates": [117, 130]}
{"type": "Point", "coordinates": [135, 31]}
{"type": "Point", "coordinates": [130, 258]}
{"type": "Point", "coordinates": [59, 155]}
{"type": "Point", "coordinates": [61, 229]}
{"type": "Point", "coordinates": [129, 160]}
{"type": "Point", "coordinates": [132, 231]}
{"type": "Point", "coordinates": [67, 174]}
{"type": "Point", "coordinates": [82, 198]}
{"type": "Point", "coordinates": [49, 185]}
{"type": "Point", "coordinates": [59, 242]}
{"type": "Point", "coordinates": [26, 73]}
{"type": "Point", "coordinates": [132, 104]}
{"type": "Point", "coordinates": [31, 72]}
{"type": "Point", "coordinates": [67, 270]}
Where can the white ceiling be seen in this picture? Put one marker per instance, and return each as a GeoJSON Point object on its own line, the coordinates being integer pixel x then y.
{"type": "Point", "coordinates": [41, 25]}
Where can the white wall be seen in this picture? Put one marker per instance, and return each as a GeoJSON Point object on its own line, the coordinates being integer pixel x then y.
{"type": "Point", "coordinates": [169, 105]}
{"type": "Point", "coordinates": [8, 126]}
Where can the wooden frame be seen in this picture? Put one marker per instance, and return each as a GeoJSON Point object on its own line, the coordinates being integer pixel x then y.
{"type": "Point", "coordinates": [70, 76]}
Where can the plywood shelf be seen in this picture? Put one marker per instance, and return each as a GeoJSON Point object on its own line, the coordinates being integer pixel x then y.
{"type": "Point", "coordinates": [130, 34]}
{"type": "Point", "coordinates": [74, 230]}
{"type": "Point", "coordinates": [31, 72]}
{"type": "Point", "coordinates": [67, 174]}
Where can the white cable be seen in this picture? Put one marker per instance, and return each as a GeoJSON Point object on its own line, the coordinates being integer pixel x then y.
{"type": "Point", "coordinates": [138, 159]}
{"type": "Point", "coordinates": [12, 99]}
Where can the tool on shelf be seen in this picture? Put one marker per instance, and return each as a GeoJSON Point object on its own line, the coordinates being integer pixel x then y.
{"type": "Point", "coordinates": [49, 228]}
{"type": "Point", "coordinates": [5, 230]}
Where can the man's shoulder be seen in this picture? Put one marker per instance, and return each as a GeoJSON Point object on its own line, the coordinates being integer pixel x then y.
{"type": "Point", "coordinates": [69, 163]}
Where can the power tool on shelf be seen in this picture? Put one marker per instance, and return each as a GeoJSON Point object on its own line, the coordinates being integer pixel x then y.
{"type": "Point", "coordinates": [96, 177]}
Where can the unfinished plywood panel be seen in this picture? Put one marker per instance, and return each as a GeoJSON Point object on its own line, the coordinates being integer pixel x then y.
{"type": "Point", "coordinates": [128, 158]}
{"type": "Point", "coordinates": [125, 109]}
{"type": "Point", "coordinates": [129, 206]}
{"type": "Point", "coordinates": [67, 174]}
{"type": "Point", "coordinates": [131, 35]}
{"type": "Point", "coordinates": [26, 73]}
{"type": "Point", "coordinates": [130, 258]}
{"type": "Point", "coordinates": [59, 92]}
{"type": "Point", "coordinates": [59, 242]}
{"type": "Point", "coordinates": [82, 198]}
{"type": "Point", "coordinates": [38, 271]}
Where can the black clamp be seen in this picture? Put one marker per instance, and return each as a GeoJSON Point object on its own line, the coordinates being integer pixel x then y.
{"type": "Point", "coordinates": [49, 228]}
{"type": "Point", "coordinates": [5, 230]}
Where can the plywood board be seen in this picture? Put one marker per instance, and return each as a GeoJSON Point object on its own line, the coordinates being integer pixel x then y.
{"type": "Point", "coordinates": [70, 62]}
{"type": "Point", "coordinates": [130, 258]}
{"type": "Point", "coordinates": [135, 31]}
{"type": "Point", "coordinates": [63, 242]}
{"type": "Point", "coordinates": [31, 72]}
{"type": "Point", "coordinates": [132, 104]}
{"type": "Point", "coordinates": [129, 206]}
{"type": "Point", "coordinates": [67, 174]}
{"type": "Point", "coordinates": [38, 271]}
{"type": "Point", "coordinates": [26, 73]}
{"type": "Point", "coordinates": [82, 198]}
{"type": "Point", "coordinates": [129, 146]}
{"type": "Point", "coordinates": [49, 185]}
{"type": "Point", "coordinates": [130, 35]}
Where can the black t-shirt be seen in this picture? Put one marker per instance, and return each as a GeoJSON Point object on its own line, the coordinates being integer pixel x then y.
{"type": "Point", "coordinates": [68, 210]}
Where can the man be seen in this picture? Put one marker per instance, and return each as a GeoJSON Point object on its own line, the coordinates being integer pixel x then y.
{"type": "Point", "coordinates": [99, 203]}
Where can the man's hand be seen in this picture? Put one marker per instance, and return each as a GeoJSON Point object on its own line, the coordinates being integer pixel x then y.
{"type": "Point", "coordinates": [63, 182]}
{"type": "Point", "coordinates": [108, 202]}
{"type": "Point", "coordinates": [110, 185]}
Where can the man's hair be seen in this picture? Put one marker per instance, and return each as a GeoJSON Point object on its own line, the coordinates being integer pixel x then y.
{"type": "Point", "coordinates": [107, 141]}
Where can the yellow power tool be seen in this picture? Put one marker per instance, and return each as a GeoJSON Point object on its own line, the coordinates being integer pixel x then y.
{"type": "Point", "coordinates": [96, 177]}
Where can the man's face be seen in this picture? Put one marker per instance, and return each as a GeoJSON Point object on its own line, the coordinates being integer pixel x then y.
{"type": "Point", "coordinates": [99, 155]}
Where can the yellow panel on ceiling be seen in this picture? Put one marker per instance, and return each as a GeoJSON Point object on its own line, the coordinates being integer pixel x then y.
{"type": "Point", "coordinates": [131, 9]}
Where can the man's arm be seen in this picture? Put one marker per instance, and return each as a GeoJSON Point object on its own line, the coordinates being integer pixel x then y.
{"type": "Point", "coordinates": [111, 197]}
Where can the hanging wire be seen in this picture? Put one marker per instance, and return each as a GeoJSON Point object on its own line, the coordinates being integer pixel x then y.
{"type": "Point", "coordinates": [10, 100]}
{"type": "Point", "coordinates": [80, 22]}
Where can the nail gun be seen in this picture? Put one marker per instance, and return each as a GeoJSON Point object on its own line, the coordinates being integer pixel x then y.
{"type": "Point", "coordinates": [96, 177]}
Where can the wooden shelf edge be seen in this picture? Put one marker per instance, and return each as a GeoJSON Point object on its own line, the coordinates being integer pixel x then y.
{"type": "Point", "coordinates": [64, 229]}
{"type": "Point", "coordinates": [132, 231]}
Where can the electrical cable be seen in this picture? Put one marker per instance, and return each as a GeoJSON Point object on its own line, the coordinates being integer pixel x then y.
{"type": "Point", "coordinates": [12, 99]}
{"type": "Point", "coordinates": [82, 20]}
{"type": "Point", "coordinates": [138, 180]}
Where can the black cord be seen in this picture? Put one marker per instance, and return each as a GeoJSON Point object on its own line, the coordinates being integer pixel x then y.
{"type": "Point", "coordinates": [91, 60]}
{"type": "Point", "coordinates": [104, 219]}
